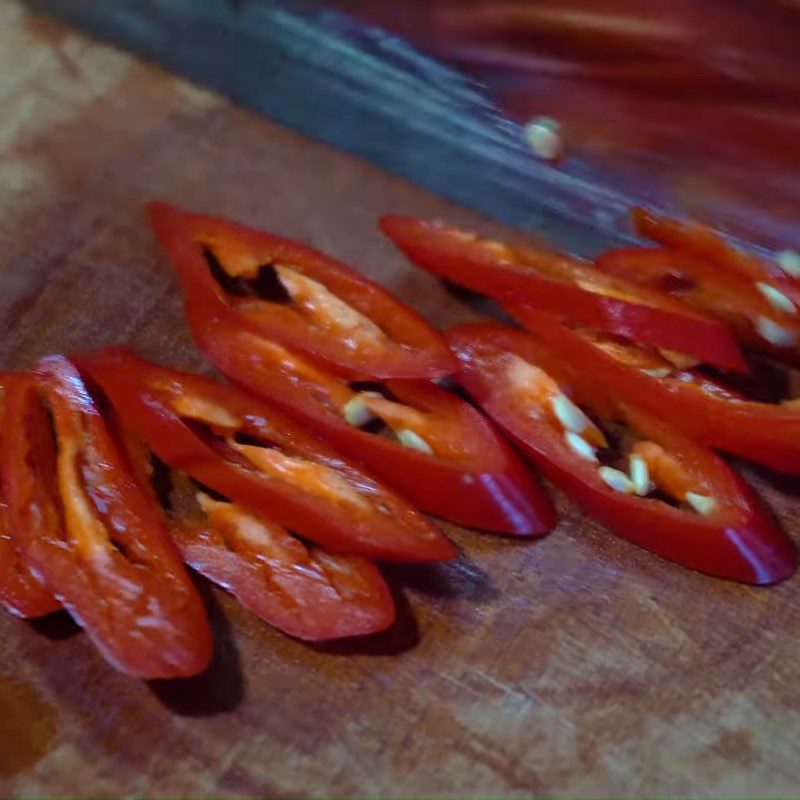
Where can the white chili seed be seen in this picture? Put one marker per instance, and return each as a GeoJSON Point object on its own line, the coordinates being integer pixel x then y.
{"type": "Point", "coordinates": [414, 440]}
{"type": "Point", "coordinates": [701, 503]}
{"type": "Point", "coordinates": [356, 413]}
{"type": "Point", "coordinates": [658, 372]}
{"type": "Point", "coordinates": [617, 480]}
{"type": "Point", "coordinates": [789, 262]}
{"type": "Point", "coordinates": [778, 300]}
{"type": "Point", "coordinates": [569, 415]}
{"type": "Point", "coordinates": [580, 446]}
{"type": "Point", "coordinates": [544, 137]}
{"type": "Point", "coordinates": [774, 333]}
{"type": "Point", "coordinates": [640, 474]}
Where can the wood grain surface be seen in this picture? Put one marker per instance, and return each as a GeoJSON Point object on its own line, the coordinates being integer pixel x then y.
{"type": "Point", "coordinates": [578, 665]}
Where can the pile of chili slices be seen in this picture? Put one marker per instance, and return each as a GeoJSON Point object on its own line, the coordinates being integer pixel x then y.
{"type": "Point", "coordinates": [336, 433]}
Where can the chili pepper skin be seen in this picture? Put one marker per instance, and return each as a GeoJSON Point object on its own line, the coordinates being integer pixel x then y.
{"type": "Point", "coordinates": [301, 590]}
{"type": "Point", "coordinates": [704, 243]}
{"type": "Point", "coordinates": [263, 460]}
{"type": "Point", "coordinates": [80, 520]}
{"type": "Point", "coordinates": [470, 476]}
{"type": "Point", "coordinates": [757, 301]}
{"type": "Point", "coordinates": [766, 433]}
{"type": "Point", "coordinates": [571, 288]}
{"type": "Point", "coordinates": [22, 592]}
{"type": "Point", "coordinates": [306, 592]}
{"type": "Point", "coordinates": [732, 299]}
{"type": "Point", "coordinates": [299, 297]}
{"type": "Point", "coordinates": [735, 538]}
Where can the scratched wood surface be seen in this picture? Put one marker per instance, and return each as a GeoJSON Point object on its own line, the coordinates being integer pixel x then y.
{"type": "Point", "coordinates": [578, 665]}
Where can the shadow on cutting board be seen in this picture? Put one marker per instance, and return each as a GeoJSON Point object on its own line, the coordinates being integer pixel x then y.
{"type": "Point", "coordinates": [461, 578]}
{"type": "Point", "coordinates": [220, 688]}
{"type": "Point", "coordinates": [56, 627]}
{"type": "Point", "coordinates": [403, 634]}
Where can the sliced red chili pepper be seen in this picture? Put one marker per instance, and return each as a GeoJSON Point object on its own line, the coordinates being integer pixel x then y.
{"type": "Point", "coordinates": [696, 404]}
{"type": "Point", "coordinates": [303, 591]}
{"type": "Point", "coordinates": [440, 453]}
{"type": "Point", "coordinates": [22, 592]}
{"type": "Point", "coordinates": [262, 459]}
{"type": "Point", "coordinates": [700, 268]}
{"type": "Point", "coordinates": [299, 297]}
{"type": "Point", "coordinates": [80, 520]}
{"type": "Point", "coordinates": [705, 243]}
{"type": "Point", "coordinates": [719, 528]}
{"type": "Point", "coordinates": [728, 296]}
{"type": "Point", "coordinates": [566, 286]}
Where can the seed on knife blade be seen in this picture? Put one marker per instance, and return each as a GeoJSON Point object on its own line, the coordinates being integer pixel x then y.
{"type": "Point", "coordinates": [544, 138]}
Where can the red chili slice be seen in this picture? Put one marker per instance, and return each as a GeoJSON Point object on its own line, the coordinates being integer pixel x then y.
{"type": "Point", "coordinates": [22, 592]}
{"type": "Point", "coordinates": [442, 456]}
{"type": "Point", "coordinates": [303, 591]}
{"type": "Point", "coordinates": [731, 298]}
{"type": "Point", "coordinates": [517, 380]}
{"type": "Point", "coordinates": [706, 244]}
{"type": "Point", "coordinates": [299, 297]}
{"type": "Point", "coordinates": [694, 403]}
{"type": "Point", "coordinates": [699, 267]}
{"type": "Point", "coordinates": [81, 522]}
{"type": "Point", "coordinates": [263, 460]}
{"type": "Point", "coordinates": [565, 286]}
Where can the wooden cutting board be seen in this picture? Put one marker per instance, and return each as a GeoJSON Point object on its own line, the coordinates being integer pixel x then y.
{"type": "Point", "coordinates": [577, 665]}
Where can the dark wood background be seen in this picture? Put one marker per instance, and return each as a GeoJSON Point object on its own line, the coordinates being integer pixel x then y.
{"type": "Point", "coordinates": [578, 665]}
